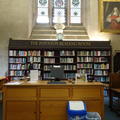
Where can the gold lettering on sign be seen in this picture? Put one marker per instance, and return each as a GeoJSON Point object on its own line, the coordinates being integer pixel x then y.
{"type": "Point", "coordinates": [60, 43]}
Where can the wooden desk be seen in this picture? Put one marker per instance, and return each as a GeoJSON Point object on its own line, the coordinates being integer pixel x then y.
{"type": "Point", "coordinates": [42, 101]}
{"type": "Point", "coordinates": [1, 82]}
{"type": "Point", "coordinates": [1, 86]}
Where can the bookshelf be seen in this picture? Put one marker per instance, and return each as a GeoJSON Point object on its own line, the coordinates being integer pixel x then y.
{"type": "Point", "coordinates": [101, 65]}
{"type": "Point", "coordinates": [85, 63]}
{"type": "Point", "coordinates": [68, 61]}
{"type": "Point", "coordinates": [17, 62]}
{"type": "Point", "coordinates": [85, 57]}
{"type": "Point", "coordinates": [49, 59]}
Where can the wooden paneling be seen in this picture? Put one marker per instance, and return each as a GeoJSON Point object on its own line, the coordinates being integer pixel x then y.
{"type": "Point", "coordinates": [49, 102]}
{"type": "Point", "coordinates": [95, 106]}
{"type": "Point", "coordinates": [86, 92]}
{"type": "Point", "coordinates": [17, 110]}
{"type": "Point", "coordinates": [53, 110]}
{"type": "Point", "coordinates": [21, 93]}
{"type": "Point", "coordinates": [54, 93]}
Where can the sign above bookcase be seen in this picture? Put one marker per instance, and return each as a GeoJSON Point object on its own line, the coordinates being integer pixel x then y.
{"type": "Point", "coordinates": [36, 44]}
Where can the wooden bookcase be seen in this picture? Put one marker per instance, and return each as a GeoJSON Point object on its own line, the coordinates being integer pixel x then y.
{"type": "Point", "coordinates": [86, 57]}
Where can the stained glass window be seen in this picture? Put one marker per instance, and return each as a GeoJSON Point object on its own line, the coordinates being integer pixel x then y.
{"type": "Point", "coordinates": [75, 16]}
{"type": "Point", "coordinates": [57, 11]}
{"type": "Point", "coordinates": [42, 11]}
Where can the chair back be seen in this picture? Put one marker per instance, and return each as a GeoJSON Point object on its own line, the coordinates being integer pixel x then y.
{"type": "Point", "coordinates": [115, 80]}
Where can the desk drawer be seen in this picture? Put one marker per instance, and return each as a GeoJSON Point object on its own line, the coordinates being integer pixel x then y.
{"type": "Point", "coordinates": [89, 92]}
{"type": "Point", "coordinates": [54, 93]}
{"type": "Point", "coordinates": [21, 93]}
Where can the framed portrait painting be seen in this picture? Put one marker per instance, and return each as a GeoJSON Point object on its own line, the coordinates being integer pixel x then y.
{"type": "Point", "coordinates": [109, 16]}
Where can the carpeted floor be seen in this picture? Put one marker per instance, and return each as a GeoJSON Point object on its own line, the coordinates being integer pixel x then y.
{"type": "Point", "coordinates": [0, 111]}
{"type": "Point", "coordinates": [109, 115]}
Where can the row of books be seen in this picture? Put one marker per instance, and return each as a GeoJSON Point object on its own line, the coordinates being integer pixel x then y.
{"type": "Point", "coordinates": [84, 65]}
{"type": "Point", "coordinates": [84, 53]}
{"type": "Point", "coordinates": [18, 66]}
{"type": "Point", "coordinates": [93, 53]}
{"type": "Point", "coordinates": [24, 53]}
{"type": "Point", "coordinates": [85, 71]}
{"type": "Point", "coordinates": [69, 67]}
{"type": "Point", "coordinates": [102, 79]}
{"type": "Point", "coordinates": [24, 66]}
{"type": "Point", "coordinates": [66, 67]}
{"type": "Point", "coordinates": [70, 75]}
{"type": "Point", "coordinates": [17, 73]}
{"type": "Point", "coordinates": [25, 60]}
{"type": "Point", "coordinates": [17, 60]}
{"type": "Point", "coordinates": [34, 53]}
{"type": "Point", "coordinates": [101, 53]}
{"type": "Point", "coordinates": [35, 66]}
{"type": "Point", "coordinates": [34, 59]}
{"type": "Point", "coordinates": [49, 53]}
{"type": "Point", "coordinates": [49, 60]}
{"type": "Point", "coordinates": [84, 59]}
{"type": "Point", "coordinates": [101, 66]}
{"type": "Point", "coordinates": [20, 74]}
{"type": "Point", "coordinates": [92, 59]}
{"type": "Point", "coordinates": [17, 53]}
{"type": "Point", "coordinates": [66, 60]}
{"type": "Point", "coordinates": [100, 59]}
{"type": "Point", "coordinates": [62, 53]}
{"type": "Point", "coordinates": [52, 60]}
{"type": "Point", "coordinates": [67, 53]}
{"type": "Point", "coordinates": [101, 72]}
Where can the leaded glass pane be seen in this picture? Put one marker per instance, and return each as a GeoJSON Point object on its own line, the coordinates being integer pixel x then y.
{"type": "Point", "coordinates": [75, 20]}
{"type": "Point", "coordinates": [75, 12]}
{"type": "Point", "coordinates": [75, 3]}
{"type": "Point", "coordinates": [42, 19]}
{"type": "Point", "coordinates": [59, 20]}
{"type": "Point", "coordinates": [42, 3]}
{"type": "Point", "coordinates": [42, 11]}
{"type": "Point", "coordinates": [59, 3]}
{"type": "Point", "coordinates": [75, 15]}
{"type": "Point", "coordinates": [59, 11]}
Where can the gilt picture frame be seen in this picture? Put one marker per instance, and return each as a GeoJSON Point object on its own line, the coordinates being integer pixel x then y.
{"type": "Point", "coordinates": [109, 16]}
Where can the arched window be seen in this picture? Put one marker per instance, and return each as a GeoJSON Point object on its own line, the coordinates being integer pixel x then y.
{"type": "Point", "coordinates": [59, 11]}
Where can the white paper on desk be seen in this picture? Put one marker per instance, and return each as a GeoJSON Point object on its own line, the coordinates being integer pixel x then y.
{"type": "Point", "coordinates": [14, 83]}
{"type": "Point", "coordinates": [33, 75]}
{"type": "Point", "coordinates": [76, 105]}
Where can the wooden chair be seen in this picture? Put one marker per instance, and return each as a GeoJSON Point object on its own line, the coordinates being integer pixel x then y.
{"type": "Point", "coordinates": [2, 81]}
{"type": "Point", "coordinates": [114, 92]}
